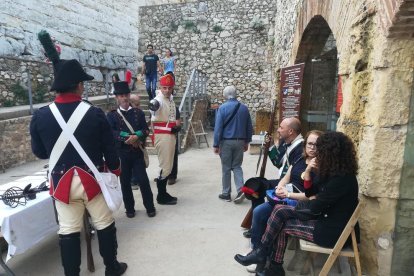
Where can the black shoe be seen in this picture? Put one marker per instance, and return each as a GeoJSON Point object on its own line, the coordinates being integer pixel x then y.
{"type": "Point", "coordinates": [239, 198]}
{"type": "Point", "coordinates": [168, 196]}
{"type": "Point", "coordinates": [225, 197]}
{"type": "Point", "coordinates": [274, 269]}
{"type": "Point", "coordinates": [116, 272]}
{"type": "Point", "coordinates": [256, 256]}
{"type": "Point", "coordinates": [151, 214]}
{"type": "Point", "coordinates": [247, 234]}
{"type": "Point", "coordinates": [171, 181]}
{"type": "Point", "coordinates": [130, 214]}
{"type": "Point", "coordinates": [166, 200]}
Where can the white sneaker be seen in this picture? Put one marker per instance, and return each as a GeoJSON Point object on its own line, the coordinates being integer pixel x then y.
{"type": "Point", "coordinates": [239, 198]}
{"type": "Point", "coordinates": [251, 268]}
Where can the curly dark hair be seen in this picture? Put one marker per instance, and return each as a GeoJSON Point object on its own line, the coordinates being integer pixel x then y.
{"type": "Point", "coordinates": [336, 155]}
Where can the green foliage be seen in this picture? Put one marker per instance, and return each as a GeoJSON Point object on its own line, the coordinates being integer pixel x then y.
{"type": "Point", "coordinates": [257, 24]}
{"type": "Point", "coordinates": [20, 93]}
{"type": "Point", "coordinates": [173, 26]}
{"type": "Point", "coordinates": [189, 25]}
{"type": "Point", "coordinates": [9, 103]}
{"type": "Point", "coordinates": [39, 93]}
{"type": "Point", "coordinates": [196, 30]}
{"type": "Point", "coordinates": [217, 28]}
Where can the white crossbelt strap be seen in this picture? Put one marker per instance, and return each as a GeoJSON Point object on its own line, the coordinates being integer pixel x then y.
{"type": "Point", "coordinates": [75, 143]}
{"type": "Point", "coordinates": [285, 160]}
{"type": "Point", "coordinates": [63, 139]}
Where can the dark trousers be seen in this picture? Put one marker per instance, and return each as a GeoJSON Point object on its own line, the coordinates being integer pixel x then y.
{"type": "Point", "coordinates": [151, 84]}
{"type": "Point", "coordinates": [132, 161]}
{"type": "Point", "coordinates": [174, 171]}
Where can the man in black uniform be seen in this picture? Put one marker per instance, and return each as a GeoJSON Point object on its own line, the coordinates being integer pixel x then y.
{"type": "Point", "coordinates": [128, 144]}
{"type": "Point", "coordinates": [72, 184]}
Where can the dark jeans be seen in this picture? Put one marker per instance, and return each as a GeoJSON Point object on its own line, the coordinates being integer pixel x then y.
{"type": "Point", "coordinates": [259, 222]}
{"type": "Point", "coordinates": [174, 170]}
{"type": "Point", "coordinates": [132, 161]}
{"type": "Point", "coordinates": [261, 213]}
{"type": "Point", "coordinates": [151, 84]}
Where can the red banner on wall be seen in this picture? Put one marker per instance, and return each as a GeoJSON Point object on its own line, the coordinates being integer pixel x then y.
{"type": "Point", "coordinates": [339, 99]}
{"type": "Point", "coordinates": [290, 90]}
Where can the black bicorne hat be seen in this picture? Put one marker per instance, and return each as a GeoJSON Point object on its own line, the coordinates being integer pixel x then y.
{"type": "Point", "coordinates": [121, 87]}
{"type": "Point", "coordinates": [255, 188]}
{"type": "Point", "coordinates": [68, 73]}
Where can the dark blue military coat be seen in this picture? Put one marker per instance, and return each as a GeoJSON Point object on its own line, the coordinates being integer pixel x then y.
{"type": "Point", "coordinates": [94, 135]}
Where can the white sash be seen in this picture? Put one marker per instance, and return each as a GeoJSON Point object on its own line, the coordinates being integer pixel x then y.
{"type": "Point", "coordinates": [63, 139]}
{"type": "Point", "coordinates": [285, 160]}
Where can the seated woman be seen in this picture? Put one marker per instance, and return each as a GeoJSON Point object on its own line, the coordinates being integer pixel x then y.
{"type": "Point", "coordinates": [334, 198]}
{"type": "Point", "coordinates": [295, 176]}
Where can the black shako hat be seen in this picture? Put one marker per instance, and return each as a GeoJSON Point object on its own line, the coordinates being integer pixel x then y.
{"type": "Point", "coordinates": [121, 87]}
{"type": "Point", "coordinates": [68, 73]}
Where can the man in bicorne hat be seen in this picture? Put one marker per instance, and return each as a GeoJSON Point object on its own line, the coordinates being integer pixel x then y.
{"type": "Point", "coordinates": [129, 144]}
{"type": "Point", "coordinates": [165, 125]}
{"type": "Point", "coordinates": [72, 184]}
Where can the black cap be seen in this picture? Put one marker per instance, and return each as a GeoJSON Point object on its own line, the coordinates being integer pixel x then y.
{"type": "Point", "coordinates": [121, 87]}
{"type": "Point", "coordinates": [67, 74]}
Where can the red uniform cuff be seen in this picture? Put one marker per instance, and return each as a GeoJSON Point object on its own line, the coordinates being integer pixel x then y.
{"type": "Point", "coordinates": [307, 184]}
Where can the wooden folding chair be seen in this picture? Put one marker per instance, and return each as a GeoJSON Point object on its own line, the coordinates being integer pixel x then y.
{"type": "Point", "coordinates": [198, 132]}
{"type": "Point", "coordinates": [338, 249]}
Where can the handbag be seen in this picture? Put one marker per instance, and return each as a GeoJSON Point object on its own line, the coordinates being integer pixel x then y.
{"type": "Point", "coordinates": [303, 211]}
{"type": "Point", "coordinates": [273, 199]}
{"type": "Point", "coordinates": [108, 182]}
{"type": "Point", "coordinates": [141, 147]}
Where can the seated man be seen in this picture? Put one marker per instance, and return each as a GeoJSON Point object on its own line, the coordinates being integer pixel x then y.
{"type": "Point", "coordinates": [285, 152]}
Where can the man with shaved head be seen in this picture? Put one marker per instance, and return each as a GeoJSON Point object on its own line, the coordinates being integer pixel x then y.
{"type": "Point", "coordinates": [287, 150]}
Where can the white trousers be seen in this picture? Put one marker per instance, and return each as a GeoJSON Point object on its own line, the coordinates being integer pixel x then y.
{"type": "Point", "coordinates": [165, 146]}
{"type": "Point", "coordinates": [71, 215]}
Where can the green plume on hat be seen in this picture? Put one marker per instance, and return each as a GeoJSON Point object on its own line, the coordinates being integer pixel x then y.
{"type": "Point", "coordinates": [48, 45]}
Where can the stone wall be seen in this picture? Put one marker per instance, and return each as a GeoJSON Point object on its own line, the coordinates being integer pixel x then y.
{"type": "Point", "coordinates": [227, 40]}
{"type": "Point", "coordinates": [103, 37]}
{"type": "Point", "coordinates": [377, 84]}
{"type": "Point", "coordinates": [15, 147]}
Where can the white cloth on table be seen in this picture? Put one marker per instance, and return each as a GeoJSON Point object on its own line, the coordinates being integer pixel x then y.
{"type": "Point", "coordinates": [25, 226]}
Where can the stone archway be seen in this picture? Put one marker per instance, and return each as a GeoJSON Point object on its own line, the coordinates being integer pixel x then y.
{"type": "Point", "coordinates": [318, 51]}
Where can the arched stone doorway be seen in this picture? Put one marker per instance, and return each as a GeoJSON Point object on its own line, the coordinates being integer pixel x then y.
{"type": "Point", "coordinates": [318, 51]}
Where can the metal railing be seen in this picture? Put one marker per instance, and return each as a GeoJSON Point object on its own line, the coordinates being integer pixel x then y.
{"type": "Point", "coordinates": [196, 89]}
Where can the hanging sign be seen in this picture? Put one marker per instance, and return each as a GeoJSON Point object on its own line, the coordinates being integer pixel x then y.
{"type": "Point", "coordinates": [290, 90]}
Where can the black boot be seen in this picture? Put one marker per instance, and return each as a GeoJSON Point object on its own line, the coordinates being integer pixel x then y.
{"type": "Point", "coordinates": [108, 247]}
{"type": "Point", "coordinates": [71, 253]}
{"type": "Point", "coordinates": [274, 269]}
{"type": "Point", "coordinates": [256, 256]}
{"type": "Point", "coordinates": [164, 198]}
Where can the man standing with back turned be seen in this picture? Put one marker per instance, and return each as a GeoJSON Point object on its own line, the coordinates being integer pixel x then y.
{"type": "Point", "coordinates": [232, 135]}
{"type": "Point", "coordinates": [72, 184]}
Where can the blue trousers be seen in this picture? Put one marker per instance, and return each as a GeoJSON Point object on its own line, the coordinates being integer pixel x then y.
{"type": "Point", "coordinates": [259, 222]}
{"type": "Point", "coordinates": [151, 84]}
{"type": "Point", "coordinates": [231, 155]}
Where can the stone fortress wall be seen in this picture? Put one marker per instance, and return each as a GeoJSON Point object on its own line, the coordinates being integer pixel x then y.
{"type": "Point", "coordinates": [102, 37]}
{"type": "Point", "coordinates": [229, 40]}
